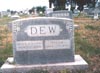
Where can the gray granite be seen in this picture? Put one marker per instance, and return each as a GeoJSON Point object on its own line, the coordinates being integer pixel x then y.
{"type": "Point", "coordinates": [78, 64]}
{"type": "Point", "coordinates": [91, 12]}
{"type": "Point", "coordinates": [9, 26]}
{"type": "Point", "coordinates": [61, 14]}
{"type": "Point", "coordinates": [96, 13]}
{"type": "Point", "coordinates": [43, 40]}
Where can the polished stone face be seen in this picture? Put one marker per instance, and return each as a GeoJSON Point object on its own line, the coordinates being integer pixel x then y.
{"type": "Point", "coordinates": [43, 40]}
{"type": "Point", "coordinates": [61, 14]}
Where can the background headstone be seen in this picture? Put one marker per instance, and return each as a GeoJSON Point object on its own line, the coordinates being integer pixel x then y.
{"type": "Point", "coordinates": [96, 13]}
{"type": "Point", "coordinates": [48, 10]}
{"type": "Point", "coordinates": [61, 14]}
{"type": "Point", "coordinates": [43, 40]}
{"type": "Point", "coordinates": [92, 12]}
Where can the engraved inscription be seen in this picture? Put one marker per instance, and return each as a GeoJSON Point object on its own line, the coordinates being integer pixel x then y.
{"type": "Point", "coordinates": [43, 30]}
{"type": "Point", "coordinates": [60, 14]}
{"type": "Point", "coordinates": [57, 44]}
{"type": "Point", "coordinates": [29, 45]}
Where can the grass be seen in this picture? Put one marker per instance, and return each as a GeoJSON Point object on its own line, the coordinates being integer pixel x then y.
{"type": "Point", "coordinates": [4, 20]}
{"type": "Point", "coordinates": [5, 53]}
{"type": "Point", "coordinates": [5, 45]}
{"type": "Point", "coordinates": [91, 27]}
{"type": "Point", "coordinates": [87, 43]}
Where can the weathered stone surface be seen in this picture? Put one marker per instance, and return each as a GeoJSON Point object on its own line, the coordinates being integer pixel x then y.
{"type": "Point", "coordinates": [61, 14]}
{"type": "Point", "coordinates": [43, 40]}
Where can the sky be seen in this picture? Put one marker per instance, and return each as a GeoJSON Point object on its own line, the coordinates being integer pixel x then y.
{"type": "Point", "coordinates": [19, 5]}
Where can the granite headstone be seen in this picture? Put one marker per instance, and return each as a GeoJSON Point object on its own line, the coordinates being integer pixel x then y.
{"type": "Point", "coordinates": [61, 14]}
{"type": "Point", "coordinates": [43, 40]}
{"type": "Point", "coordinates": [96, 13]}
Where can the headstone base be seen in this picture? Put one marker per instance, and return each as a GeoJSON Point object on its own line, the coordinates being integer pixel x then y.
{"type": "Point", "coordinates": [79, 64]}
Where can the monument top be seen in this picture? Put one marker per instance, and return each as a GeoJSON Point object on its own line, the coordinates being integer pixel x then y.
{"type": "Point", "coordinates": [31, 18]}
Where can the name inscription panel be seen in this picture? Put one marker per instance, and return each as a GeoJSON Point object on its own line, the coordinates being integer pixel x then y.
{"type": "Point", "coordinates": [43, 30]}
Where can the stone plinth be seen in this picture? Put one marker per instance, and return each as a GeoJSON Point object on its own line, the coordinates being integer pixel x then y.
{"type": "Point", "coordinates": [79, 64]}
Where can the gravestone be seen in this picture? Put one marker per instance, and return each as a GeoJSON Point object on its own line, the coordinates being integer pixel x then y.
{"type": "Point", "coordinates": [43, 40]}
{"type": "Point", "coordinates": [96, 16]}
{"type": "Point", "coordinates": [48, 10]}
{"type": "Point", "coordinates": [93, 12]}
{"type": "Point", "coordinates": [76, 13]}
{"type": "Point", "coordinates": [61, 14]}
{"type": "Point", "coordinates": [89, 12]}
{"type": "Point", "coordinates": [96, 13]}
{"type": "Point", "coordinates": [43, 43]}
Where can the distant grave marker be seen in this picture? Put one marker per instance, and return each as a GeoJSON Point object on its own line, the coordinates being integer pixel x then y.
{"type": "Point", "coordinates": [61, 14]}
{"type": "Point", "coordinates": [96, 13]}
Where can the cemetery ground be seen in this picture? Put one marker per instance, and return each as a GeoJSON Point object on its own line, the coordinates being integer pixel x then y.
{"type": "Point", "coordinates": [87, 43]}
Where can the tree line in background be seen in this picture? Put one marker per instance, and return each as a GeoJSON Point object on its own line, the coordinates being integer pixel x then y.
{"type": "Point", "coordinates": [60, 4]}
{"type": "Point", "coordinates": [38, 9]}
